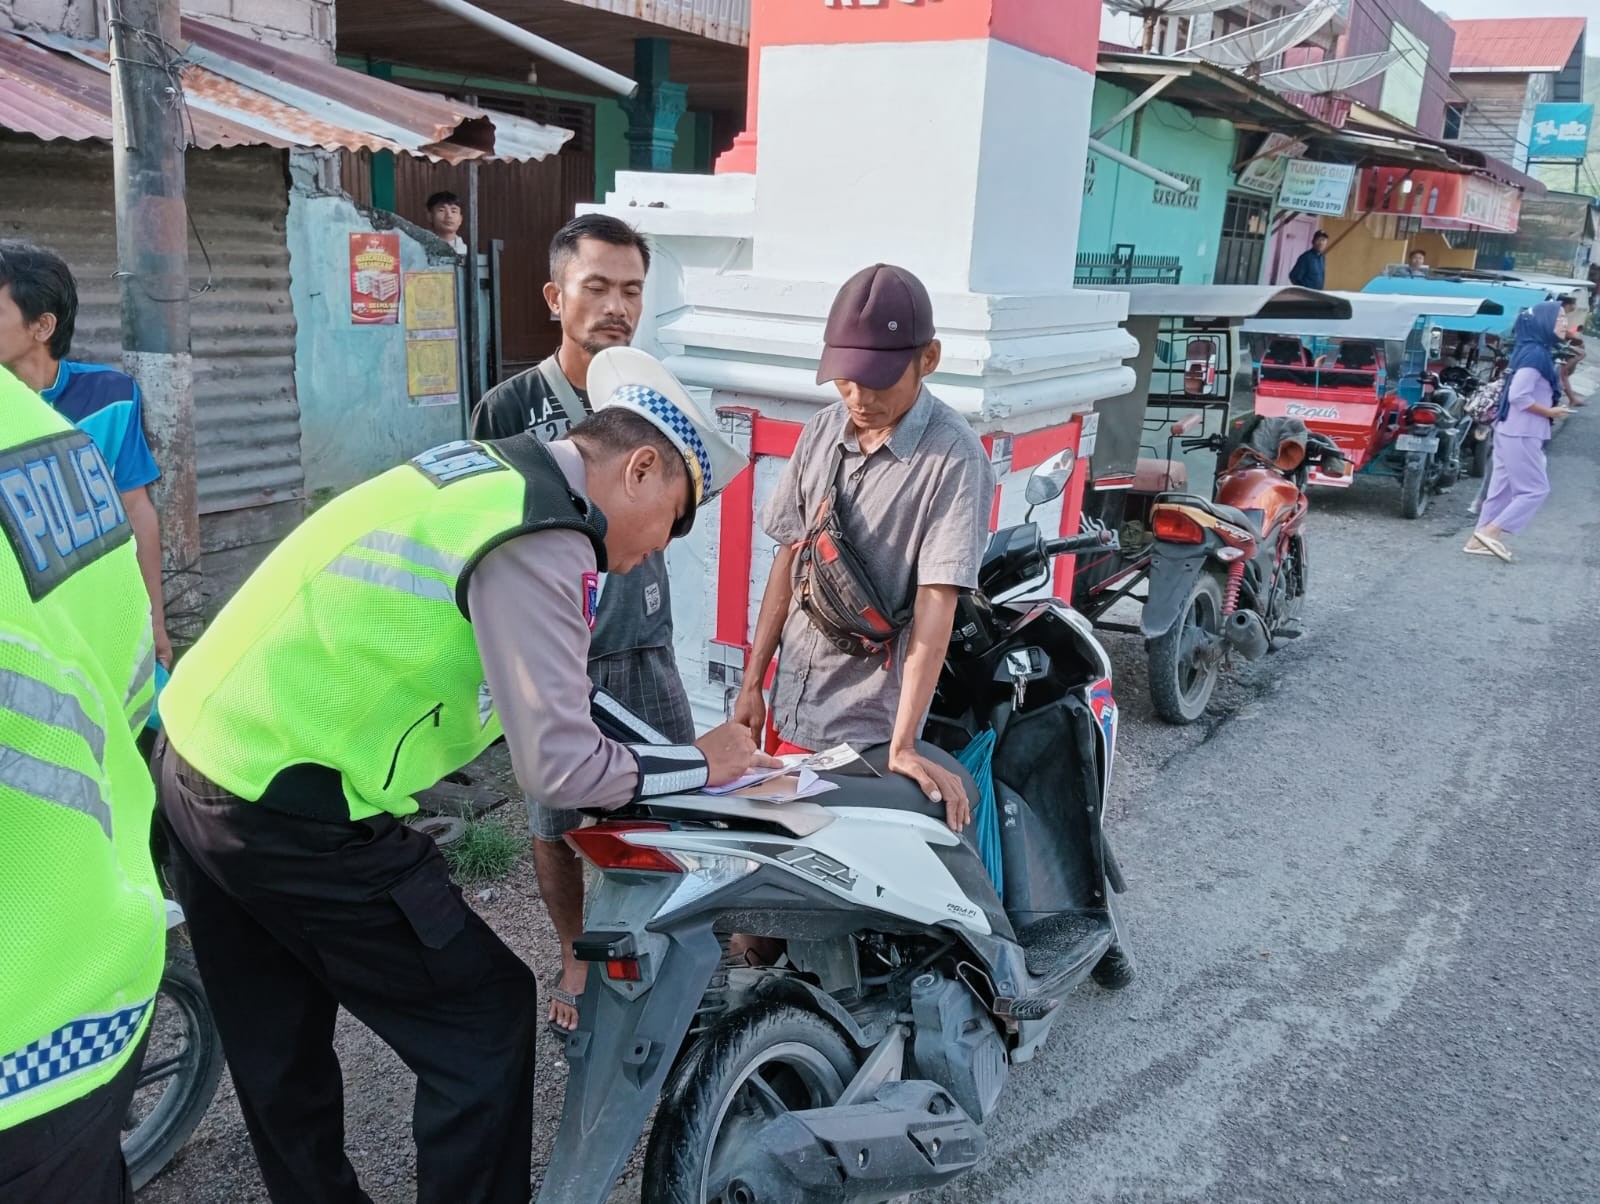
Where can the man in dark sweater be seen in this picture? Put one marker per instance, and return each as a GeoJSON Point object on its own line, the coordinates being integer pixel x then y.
{"type": "Point", "coordinates": [1311, 269]}
{"type": "Point", "coordinates": [596, 290]}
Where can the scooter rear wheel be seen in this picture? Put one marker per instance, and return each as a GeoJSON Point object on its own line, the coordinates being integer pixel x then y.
{"type": "Point", "coordinates": [1184, 662]}
{"type": "Point", "coordinates": [752, 1067]}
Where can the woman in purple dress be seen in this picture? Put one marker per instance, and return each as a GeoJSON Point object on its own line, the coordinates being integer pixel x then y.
{"type": "Point", "coordinates": [1521, 482]}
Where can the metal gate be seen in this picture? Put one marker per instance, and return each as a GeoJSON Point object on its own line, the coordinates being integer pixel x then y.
{"type": "Point", "coordinates": [1244, 239]}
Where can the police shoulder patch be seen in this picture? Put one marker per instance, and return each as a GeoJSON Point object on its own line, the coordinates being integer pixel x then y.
{"type": "Point", "coordinates": [591, 597]}
{"type": "Point", "coordinates": [59, 508]}
{"type": "Point", "coordinates": [452, 462]}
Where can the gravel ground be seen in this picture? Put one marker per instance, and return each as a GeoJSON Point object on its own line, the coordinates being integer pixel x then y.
{"type": "Point", "coordinates": [1359, 979]}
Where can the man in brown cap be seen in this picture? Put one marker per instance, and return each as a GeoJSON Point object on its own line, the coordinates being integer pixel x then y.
{"type": "Point", "coordinates": [911, 488]}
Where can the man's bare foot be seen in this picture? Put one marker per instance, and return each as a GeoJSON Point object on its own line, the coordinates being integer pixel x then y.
{"type": "Point", "coordinates": [564, 998]}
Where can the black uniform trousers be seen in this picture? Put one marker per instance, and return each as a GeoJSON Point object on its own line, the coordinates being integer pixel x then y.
{"type": "Point", "coordinates": [73, 1152]}
{"type": "Point", "coordinates": [291, 917]}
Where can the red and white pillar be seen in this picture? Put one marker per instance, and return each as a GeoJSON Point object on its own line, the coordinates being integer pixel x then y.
{"type": "Point", "coordinates": [947, 136]}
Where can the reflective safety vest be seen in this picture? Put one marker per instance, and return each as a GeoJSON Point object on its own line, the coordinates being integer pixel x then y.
{"type": "Point", "coordinates": [82, 922]}
{"type": "Point", "coordinates": [351, 647]}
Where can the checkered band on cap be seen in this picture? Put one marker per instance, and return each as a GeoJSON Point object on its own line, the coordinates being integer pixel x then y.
{"type": "Point", "coordinates": [72, 1049]}
{"type": "Point", "coordinates": [677, 427]}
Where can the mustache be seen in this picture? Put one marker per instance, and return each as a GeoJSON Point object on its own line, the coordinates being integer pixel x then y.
{"type": "Point", "coordinates": [614, 324]}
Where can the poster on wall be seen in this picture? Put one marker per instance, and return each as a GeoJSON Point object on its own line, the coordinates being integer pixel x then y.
{"type": "Point", "coordinates": [1316, 187]}
{"type": "Point", "coordinates": [433, 368]}
{"type": "Point", "coordinates": [430, 300]}
{"type": "Point", "coordinates": [433, 364]}
{"type": "Point", "coordinates": [374, 278]}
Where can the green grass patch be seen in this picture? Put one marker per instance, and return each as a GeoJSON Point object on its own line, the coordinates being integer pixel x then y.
{"type": "Point", "coordinates": [485, 853]}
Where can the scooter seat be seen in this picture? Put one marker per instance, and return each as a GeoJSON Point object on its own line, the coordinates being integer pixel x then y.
{"type": "Point", "coordinates": [893, 791]}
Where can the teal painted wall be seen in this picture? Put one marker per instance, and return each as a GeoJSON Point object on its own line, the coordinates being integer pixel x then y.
{"type": "Point", "coordinates": [1119, 205]}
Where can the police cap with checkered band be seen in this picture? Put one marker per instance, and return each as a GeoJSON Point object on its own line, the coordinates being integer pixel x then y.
{"type": "Point", "coordinates": [626, 376]}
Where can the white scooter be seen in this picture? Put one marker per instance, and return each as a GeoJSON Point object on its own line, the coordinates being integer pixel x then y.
{"type": "Point", "coordinates": [864, 1065]}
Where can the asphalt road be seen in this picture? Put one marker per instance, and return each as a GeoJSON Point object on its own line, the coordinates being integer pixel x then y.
{"type": "Point", "coordinates": [1363, 897]}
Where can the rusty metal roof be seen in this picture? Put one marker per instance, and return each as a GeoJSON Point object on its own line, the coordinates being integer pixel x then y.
{"type": "Point", "coordinates": [244, 93]}
{"type": "Point", "coordinates": [1515, 44]}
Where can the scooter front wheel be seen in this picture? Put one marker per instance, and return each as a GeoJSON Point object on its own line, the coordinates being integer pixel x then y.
{"type": "Point", "coordinates": [751, 1068]}
{"type": "Point", "coordinates": [1184, 662]}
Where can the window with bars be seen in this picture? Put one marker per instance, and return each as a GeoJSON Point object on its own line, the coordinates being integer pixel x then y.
{"type": "Point", "coordinates": [1454, 114]}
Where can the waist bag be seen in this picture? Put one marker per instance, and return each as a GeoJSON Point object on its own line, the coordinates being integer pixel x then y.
{"type": "Point", "coordinates": [834, 588]}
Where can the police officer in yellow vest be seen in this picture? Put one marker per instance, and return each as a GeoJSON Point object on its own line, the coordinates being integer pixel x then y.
{"type": "Point", "coordinates": [82, 923]}
{"type": "Point", "coordinates": [385, 643]}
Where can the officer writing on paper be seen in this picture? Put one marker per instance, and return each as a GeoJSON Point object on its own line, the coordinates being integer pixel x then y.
{"type": "Point", "coordinates": [384, 644]}
{"type": "Point", "coordinates": [596, 291]}
{"type": "Point", "coordinates": [82, 929]}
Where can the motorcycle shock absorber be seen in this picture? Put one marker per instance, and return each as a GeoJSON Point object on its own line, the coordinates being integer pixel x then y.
{"type": "Point", "coordinates": [1230, 595]}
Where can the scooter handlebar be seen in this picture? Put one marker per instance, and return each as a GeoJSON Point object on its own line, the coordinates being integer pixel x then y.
{"type": "Point", "coordinates": [1105, 541]}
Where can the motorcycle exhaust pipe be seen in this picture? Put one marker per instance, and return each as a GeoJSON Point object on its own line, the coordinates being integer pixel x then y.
{"type": "Point", "coordinates": [1246, 634]}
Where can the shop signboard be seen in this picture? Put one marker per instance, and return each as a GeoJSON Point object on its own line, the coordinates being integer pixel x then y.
{"type": "Point", "coordinates": [1560, 132]}
{"type": "Point", "coordinates": [1316, 187]}
{"type": "Point", "coordinates": [1264, 173]}
{"type": "Point", "coordinates": [1442, 200]}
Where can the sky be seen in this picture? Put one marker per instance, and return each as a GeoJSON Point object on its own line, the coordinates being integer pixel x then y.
{"type": "Point", "coordinates": [1116, 28]}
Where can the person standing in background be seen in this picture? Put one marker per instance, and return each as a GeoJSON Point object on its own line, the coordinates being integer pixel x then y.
{"type": "Point", "coordinates": [1311, 269]}
{"type": "Point", "coordinates": [596, 290]}
{"type": "Point", "coordinates": [1521, 481]}
{"type": "Point", "coordinates": [444, 219]}
{"type": "Point", "coordinates": [38, 315]}
{"type": "Point", "coordinates": [1417, 263]}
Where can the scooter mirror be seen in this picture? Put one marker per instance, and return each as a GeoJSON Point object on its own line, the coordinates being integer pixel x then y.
{"type": "Point", "coordinates": [1049, 479]}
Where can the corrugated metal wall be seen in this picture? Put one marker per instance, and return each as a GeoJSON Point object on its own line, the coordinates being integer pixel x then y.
{"type": "Point", "coordinates": [243, 329]}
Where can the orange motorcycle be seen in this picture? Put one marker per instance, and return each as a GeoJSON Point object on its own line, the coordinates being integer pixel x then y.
{"type": "Point", "coordinates": [1230, 572]}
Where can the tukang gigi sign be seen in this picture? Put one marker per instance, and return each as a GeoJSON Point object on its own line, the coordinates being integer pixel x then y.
{"type": "Point", "coordinates": [1316, 187]}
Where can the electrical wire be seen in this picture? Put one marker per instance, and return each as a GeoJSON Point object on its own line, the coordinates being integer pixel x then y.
{"type": "Point", "coordinates": [1450, 84]}
{"type": "Point", "coordinates": [170, 61]}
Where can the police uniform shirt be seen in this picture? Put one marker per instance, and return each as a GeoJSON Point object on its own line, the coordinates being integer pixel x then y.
{"type": "Point", "coordinates": [635, 608]}
{"type": "Point", "coordinates": [531, 603]}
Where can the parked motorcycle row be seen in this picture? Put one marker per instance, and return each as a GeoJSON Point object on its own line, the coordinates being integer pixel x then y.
{"type": "Point", "coordinates": [918, 972]}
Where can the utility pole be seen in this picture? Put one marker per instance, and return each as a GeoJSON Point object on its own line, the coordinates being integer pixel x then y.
{"type": "Point", "coordinates": [147, 145]}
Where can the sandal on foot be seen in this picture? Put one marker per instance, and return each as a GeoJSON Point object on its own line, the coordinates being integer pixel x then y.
{"type": "Point", "coordinates": [1496, 548]}
{"type": "Point", "coordinates": [557, 995]}
{"type": "Point", "coordinates": [1477, 549]}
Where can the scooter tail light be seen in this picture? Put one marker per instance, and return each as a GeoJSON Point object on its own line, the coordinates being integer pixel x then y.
{"type": "Point", "coordinates": [606, 847]}
{"type": "Point", "coordinates": [1174, 525]}
{"type": "Point", "coordinates": [1424, 417]}
{"type": "Point", "coordinates": [624, 969]}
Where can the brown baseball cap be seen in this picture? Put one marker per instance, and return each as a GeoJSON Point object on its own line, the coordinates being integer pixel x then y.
{"type": "Point", "coordinates": [879, 320]}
